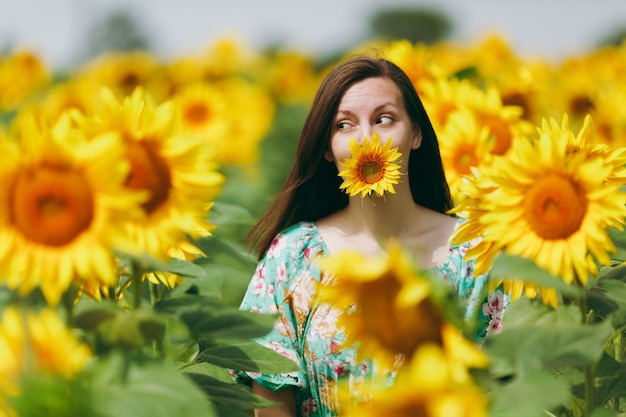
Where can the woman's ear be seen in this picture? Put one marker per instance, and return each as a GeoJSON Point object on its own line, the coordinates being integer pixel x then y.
{"type": "Point", "coordinates": [417, 139]}
{"type": "Point", "coordinates": [328, 155]}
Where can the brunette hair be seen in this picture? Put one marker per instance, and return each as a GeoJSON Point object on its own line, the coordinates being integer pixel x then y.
{"type": "Point", "coordinates": [311, 190]}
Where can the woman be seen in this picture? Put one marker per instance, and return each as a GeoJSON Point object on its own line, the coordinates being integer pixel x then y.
{"type": "Point", "coordinates": [311, 216]}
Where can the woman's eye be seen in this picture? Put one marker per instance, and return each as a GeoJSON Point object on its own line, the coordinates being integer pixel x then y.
{"type": "Point", "coordinates": [384, 120]}
{"type": "Point", "coordinates": [343, 125]}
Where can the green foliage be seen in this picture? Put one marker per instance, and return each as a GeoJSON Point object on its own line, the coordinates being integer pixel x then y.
{"type": "Point", "coordinates": [118, 31]}
{"type": "Point", "coordinates": [569, 360]}
{"type": "Point", "coordinates": [415, 24]}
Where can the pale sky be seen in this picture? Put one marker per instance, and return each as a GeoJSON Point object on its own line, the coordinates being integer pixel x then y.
{"type": "Point", "coordinates": [543, 28]}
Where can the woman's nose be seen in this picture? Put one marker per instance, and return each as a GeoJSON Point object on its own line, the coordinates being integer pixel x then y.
{"type": "Point", "coordinates": [366, 131]}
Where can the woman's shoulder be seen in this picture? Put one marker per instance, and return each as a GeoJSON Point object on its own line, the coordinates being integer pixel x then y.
{"type": "Point", "coordinates": [301, 238]}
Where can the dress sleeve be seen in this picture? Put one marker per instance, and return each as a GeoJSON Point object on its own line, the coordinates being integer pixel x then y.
{"type": "Point", "coordinates": [269, 293]}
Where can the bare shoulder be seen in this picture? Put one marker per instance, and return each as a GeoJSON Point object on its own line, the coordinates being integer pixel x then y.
{"type": "Point", "coordinates": [436, 223]}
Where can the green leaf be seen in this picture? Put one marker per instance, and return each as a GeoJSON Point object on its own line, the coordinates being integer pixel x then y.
{"type": "Point", "coordinates": [608, 298]}
{"type": "Point", "coordinates": [125, 329]}
{"type": "Point", "coordinates": [233, 324]}
{"type": "Point", "coordinates": [510, 266]}
{"type": "Point", "coordinates": [223, 213]}
{"type": "Point", "coordinates": [542, 338]}
{"type": "Point", "coordinates": [209, 369]}
{"type": "Point", "coordinates": [146, 390]}
{"type": "Point", "coordinates": [612, 388]}
{"type": "Point", "coordinates": [603, 412]}
{"type": "Point", "coordinates": [528, 396]}
{"type": "Point", "coordinates": [90, 316]}
{"type": "Point", "coordinates": [184, 268]}
{"type": "Point", "coordinates": [248, 356]}
{"type": "Point", "coordinates": [186, 302]}
{"type": "Point", "coordinates": [232, 395]}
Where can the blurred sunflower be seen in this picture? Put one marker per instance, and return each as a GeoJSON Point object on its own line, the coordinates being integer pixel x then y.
{"type": "Point", "coordinates": [551, 205]}
{"type": "Point", "coordinates": [504, 122]}
{"type": "Point", "coordinates": [122, 72]}
{"type": "Point", "coordinates": [424, 387]}
{"type": "Point", "coordinates": [444, 96]}
{"type": "Point", "coordinates": [394, 313]}
{"type": "Point", "coordinates": [22, 74]}
{"type": "Point", "coordinates": [464, 144]}
{"type": "Point", "coordinates": [371, 168]}
{"type": "Point", "coordinates": [63, 207]}
{"type": "Point", "coordinates": [211, 112]}
{"type": "Point", "coordinates": [26, 348]}
{"type": "Point", "coordinates": [416, 60]}
{"type": "Point", "coordinates": [177, 171]}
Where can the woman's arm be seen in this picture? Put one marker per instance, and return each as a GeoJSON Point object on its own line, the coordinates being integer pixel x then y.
{"type": "Point", "coordinates": [284, 396]}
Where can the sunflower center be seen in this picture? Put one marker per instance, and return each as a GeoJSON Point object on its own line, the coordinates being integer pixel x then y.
{"type": "Point", "coordinates": [148, 172]}
{"type": "Point", "coordinates": [196, 113]}
{"type": "Point", "coordinates": [412, 326]}
{"type": "Point", "coordinates": [501, 135]}
{"type": "Point", "coordinates": [581, 105]}
{"type": "Point", "coordinates": [129, 81]}
{"type": "Point", "coordinates": [51, 205]}
{"type": "Point", "coordinates": [555, 207]}
{"type": "Point", "coordinates": [466, 158]}
{"type": "Point", "coordinates": [372, 172]}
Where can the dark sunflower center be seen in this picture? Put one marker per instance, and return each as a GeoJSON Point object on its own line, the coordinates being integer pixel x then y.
{"type": "Point", "coordinates": [414, 325]}
{"type": "Point", "coordinates": [501, 135]}
{"type": "Point", "coordinates": [196, 113]}
{"type": "Point", "coordinates": [148, 172]}
{"type": "Point", "coordinates": [466, 158]}
{"type": "Point", "coordinates": [555, 207]}
{"type": "Point", "coordinates": [372, 172]}
{"type": "Point", "coordinates": [51, 205]}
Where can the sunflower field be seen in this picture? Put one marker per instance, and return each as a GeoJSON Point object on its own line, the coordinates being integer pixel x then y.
{"type": "Point", "coordinates": [127, 186]}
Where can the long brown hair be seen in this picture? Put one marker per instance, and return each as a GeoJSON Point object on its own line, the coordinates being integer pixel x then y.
{"type": "Point", "coordinates": [311, 190]}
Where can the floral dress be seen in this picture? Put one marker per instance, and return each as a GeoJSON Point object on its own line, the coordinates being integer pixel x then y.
{"type": "Point", "coordinates": [285, 282]}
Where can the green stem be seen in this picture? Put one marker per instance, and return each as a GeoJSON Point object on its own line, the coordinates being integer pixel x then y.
{"type": "Point", "coordinates": [68, 304]}
{"type": "Point", "coordinates": [137, 275]}
{"type": "Point", "coordinates": [617, 345]}
{"type": "Point", "coordinates": [154, 293]}
{"type": "Point", "coordinates": [590, 389]}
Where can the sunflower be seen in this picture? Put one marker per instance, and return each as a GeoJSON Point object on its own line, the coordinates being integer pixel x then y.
{"type": "Point", "coordinates": [371, 168]}
{"type": "Point", "coordinates": [394, 312]}
{"type": "Point", "coordinates": [22, 74]}
{"type": "Point", "coordinates": [551, 205]}
{"type": "Point", "coordinates": [444, 96]}
{"type": "Point", "coordinates": [63, 207]}
{"type": "Point", "coordinates": [177, 171]}
{"type": "Point", "coordinates": [505, 123]}
{"type": "Point", "coordinates": [25, 346]}
{"type": "Point", "coordinates": [211, 111]}
{"type": "Point", "coordinates": [122, 72]}
{"type": "Point", "coordinates": [464, 145]}
{"type": "Point", "coordinates": [426, 386]}
{"type": "Point", "coordinates": [416, 60]}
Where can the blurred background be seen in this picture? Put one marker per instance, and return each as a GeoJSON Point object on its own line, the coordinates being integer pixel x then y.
{"type": "Point", "coordinates": [66, 33]}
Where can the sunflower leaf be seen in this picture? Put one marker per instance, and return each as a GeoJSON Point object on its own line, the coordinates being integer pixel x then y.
{"type": "Point", "coordinates": [516, 267]}
{"type": "Point", "coordinates": [146, 390]}
{"type": "Point", "coordinates": [231, 324]}
{"type": "Point", "coordinates": [248, 356]}
{"type": "Point", "coordinates": [228, 394]}
{"type": "Point", "coordinates": [512, 399]}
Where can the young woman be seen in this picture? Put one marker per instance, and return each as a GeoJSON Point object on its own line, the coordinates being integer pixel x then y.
{"type": "Point", "coordinates": [311, 216]}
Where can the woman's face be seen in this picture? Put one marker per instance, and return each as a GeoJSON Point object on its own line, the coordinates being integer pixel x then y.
{"type": "Point", "coordinates": [373, 104]}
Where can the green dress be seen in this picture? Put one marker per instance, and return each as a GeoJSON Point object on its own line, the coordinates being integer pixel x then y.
{"type": "Point", "coordinates": [307, 333]}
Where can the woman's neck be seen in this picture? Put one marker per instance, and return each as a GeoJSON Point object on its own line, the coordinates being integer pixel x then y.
{"type": "Point", "coordinates": [383, 217]}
